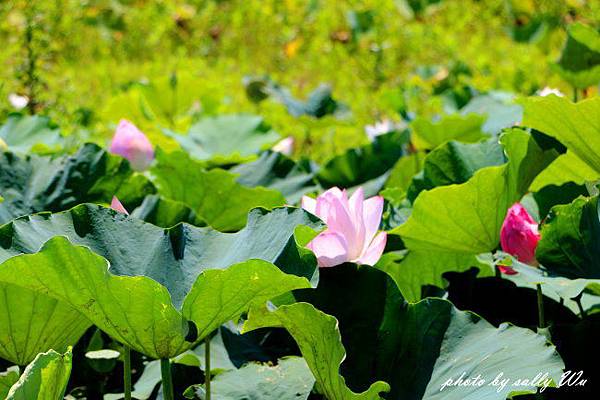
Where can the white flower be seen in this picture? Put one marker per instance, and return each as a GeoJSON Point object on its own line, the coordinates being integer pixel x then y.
{"type": "Point", "coordinates": [547, 90]}
{"type": "Point", "coordinates": [17, 101]}
{"type": "Point", "coordinates": [380, 128]}
{"type": "Point", "coordinates": [285, 146]}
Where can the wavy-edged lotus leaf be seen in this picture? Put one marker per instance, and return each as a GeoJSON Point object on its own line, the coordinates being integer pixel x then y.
{"type": "Point", "coordinates": [576, 125]}
{"type": "Point", "coordinates": [137, 310]}
{"type": "Point", "coordinates": [416, 348]}
{"type": "Point", "coordinates": [455, 162]}
{"type": "Point", "coordinates": [318, 104]}
{"type": "Point", "coordinates": [579, 63]}
{"type": "Point", "coordinates": [214, 195]}
{"type": "Point", "coordinates": [165, 212]}
{"type": "Point", "coordinates": [419, 268]}
{"type": "Point", "coordinates": [290, 379]}
{"type": "Point", "coordinates": [44, 183]}
{"type": "Point", "coordinates": [318, 337]}
{"type": "Point", "coordinates": [7, 379]}
{"type": "Point", "coordinates": [32, 323]}
{"type": "Point", "coordinates": [566, 168]}
{"type": "Point", "coordinates": [26, 133]}
{"type": "Point", "coordinates": [235, 137]}
{"type": "Point", "coordinates": [276, 171]}
{"type": "Point", "coordinates": [173, 257]}
{"type": "Point", "coordinates": [570, 241]}
{"type": "Point", "coordinates": [430, 134]}
{"type": "Point", "coordinates": [45, 378]}
{"type": "Point", "coordinates": [365, 163]}
{"type": "Point", "coordinates": [402, 173]}
{"type": "Point", "coordinates": [466, 218]}
{"type": "Point", "coordinates": [498, 107]}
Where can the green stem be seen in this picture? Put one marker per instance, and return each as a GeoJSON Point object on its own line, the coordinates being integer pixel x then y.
{"type": "Point", "coordinates": [127, 371]}
{"type": "Point", "coordinates": [575, 95]}
{"type": "Point", "coordinates": [167, 379]}
{"type": "Point", "coordinates": [578, 301]}
{"type": "Point", "coordinates": [540, 303]}
{"type": "Point", "coordinates": [207, 367]}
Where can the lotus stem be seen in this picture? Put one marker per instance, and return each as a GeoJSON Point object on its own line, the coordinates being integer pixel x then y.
{"type": "Point", "coordinates": [575, 95]}
{"type": "Point", "coordinates": [167, 379]}
{"type": "Point", "coordinates": [127, 371]}
{"type": "Point", "coordinates": [540, 303]}
{"type": "Point", "coordinates": [207, 367]}
{"type": "Point", "coordinates": [577, 300]}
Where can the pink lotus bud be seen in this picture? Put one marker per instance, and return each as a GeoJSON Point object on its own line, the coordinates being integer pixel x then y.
{"type": "Point", "coordinates": [352, 225]}
{"type": "Point", "coordinates": [116, 205]}
{"type": "Point", "coordinates": [131, 143]}
{"type": "Point", "coordinates": [519, 235]}
{"type": "Point", "coordinates": [285, 146]}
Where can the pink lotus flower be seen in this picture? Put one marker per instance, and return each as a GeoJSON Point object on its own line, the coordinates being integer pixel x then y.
{"type": "Point", "coordinates": [519, 235]}
{"type": "Point", "coordinates": [116, 205]}
{"type": "Point", "coordinates": [131, 143]}
{"type": "Point", "coordinates": [352, 224]}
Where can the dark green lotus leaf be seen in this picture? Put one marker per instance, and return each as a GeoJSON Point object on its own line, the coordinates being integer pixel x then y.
{"type": "Point", "coordinates": [464, 128]}
{"type": "Point", "coordinates": [290, 379]}
{"type": "Point", "coordinates": [45, 378]}
{"type": "Point", "coordinates": [570, 241]}
{"type": "Point", "coordinates": [172, 257]}
{"type": "Point", "coordinates": [416, 348]}
{"type": "Point", "coordinates": [213, 195]}
{"type": "Point", "coordinates": [32, 323]}
{"type": "Point", "coordinates": [137, 310]}
{"type": "Point", "coordinates": [235, 137]}
{"type": "Point", "coordinates": [551, 195]}
{"type": "Point", "coordinates": [165, 213]}
{"type": "Point", "coordinates": [276, 171]}
{"type": "Point", "coordinates": [44, 183]}
{"type": "Point", "coordinates": [455, 162]}
{"type": "Point", "coordinates": [365, 163]}
{"type": "Point", "coordinates": [466, 218]}
{"type": "Point", "coordinates": [319, 103]}
{"type": "Point", "coordinates": [579, 63]}
{"type": "Point", "coordinates": [7, 379]}
{"type": "Point", "coordinates": [499, 108]}
{"type": "Point", "coordinates": [24, 134]}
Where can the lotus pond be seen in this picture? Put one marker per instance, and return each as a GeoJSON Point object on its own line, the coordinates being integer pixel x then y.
{"type": "Point", "coordinates": [299, 200]}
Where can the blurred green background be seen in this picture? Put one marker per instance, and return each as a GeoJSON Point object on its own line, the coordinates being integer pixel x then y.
{"type": "Point", "coordinates": [165, 64]}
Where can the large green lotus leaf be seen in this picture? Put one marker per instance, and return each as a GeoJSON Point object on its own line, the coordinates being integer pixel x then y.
{"type": "Point", "coordinates": [32, 323]}
{"type": "Point", "coordinates": [420, 268]}
{"type": "Point", "coordinates": [579, 63]}
{"type": "Point", "coordinates": [570, 241]}
{"type": "Point", "coordinates": [7, 380]}
{"type": "Point", "coordinates": [165, 212]}
{"type": "Point", "coordinates": [318, 337]}
{"type": "Point", "coordinates": [172, 257]}
{"type": "Point", "coordinates": [45, 378]}
{"type": "Point", "coordinates": [290, 379]}
{"type": "Point", "coordinates": [359, 165]}
{"type": "Point", "coordinates": [455, 162]}
{"type": "Point", "coordinates": [416, 348]}
{"type": "Point", "coordinates": [566, 168]}
{"type": "Point", "coordinates": [236, 137]}
{"type": "Point", "coordinates": [576, 125]}
{"type": "Point", "coordinates": [463, 128]}
{"type": "Point", "coordinates": [275, 171]}
{"type": "Point", "coordinates": [35, 183]}
{"type": "Point", "coordinates": [214, 195]}
{"type": "Point", "coordinates": [137, 310]}
{"type": "Point", "coordinates": [24, 134]}
{"type": "Point", "coordinates": [466, 218]}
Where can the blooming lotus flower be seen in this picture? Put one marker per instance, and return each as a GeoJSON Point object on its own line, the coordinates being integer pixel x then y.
{"type": "Point", "coordinates": [131, 143]}
{"type": "Point", "coordinates": [519, 235]}
{"type": "Point", "coordinates": [352, 224]}
{"type": "Point", "coordinates": [285, 146]}
{"type": "Point", "coordinates": [116, 205]}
